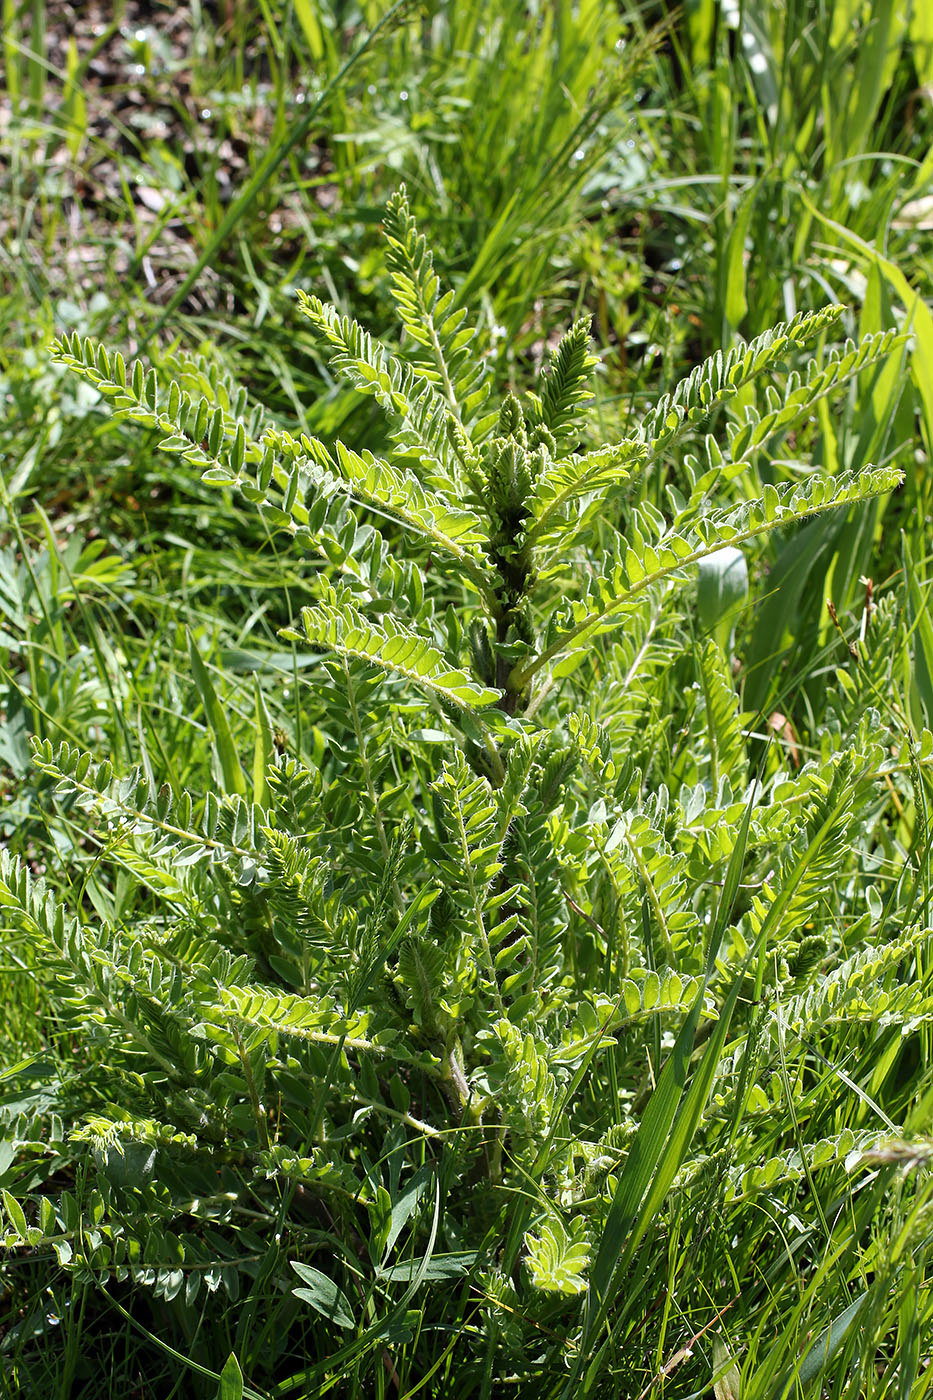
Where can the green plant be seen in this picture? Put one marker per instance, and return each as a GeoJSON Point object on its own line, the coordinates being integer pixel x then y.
{"type": "Point", "coordinates": [793, 165]}
{"type": "Point", "coordinates": [501, 119]}
{"type": "Point", "coordinates": [475, 1028]}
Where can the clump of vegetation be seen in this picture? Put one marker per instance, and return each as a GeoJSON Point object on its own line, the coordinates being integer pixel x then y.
{"type": "Point", "coordinates": [467, 1023]}
{"type": "Point", "coordinates": [465, 894]}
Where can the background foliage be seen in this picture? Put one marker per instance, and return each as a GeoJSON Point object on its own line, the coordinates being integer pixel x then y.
{"type": "Point", "coordinates": [364, 1036]}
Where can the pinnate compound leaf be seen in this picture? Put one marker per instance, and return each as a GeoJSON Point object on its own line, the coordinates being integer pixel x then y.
{"type": "Point", "coordinates": [337, 626]}
{"type": "Point", "coordinates": [450, 528]}
{"type": "Point", "coordinates": [563, 387]}
{"type": "Point", "coordinates": [591, 475]}
{"type": "Point", "coordinates": [215, 429]}
{"type": "Point", "coordinates": [802, 392]}
{"type": "Point", "coordinates": [652, 551]}
{"type": "Point", "coordinates": [430, 314]}
{"type": "Point", "coordinates": [725, 741]}
{"type": "Point", "coordinates": [399, 389]}
{"type": "Point", "coordinates": [722, 376]}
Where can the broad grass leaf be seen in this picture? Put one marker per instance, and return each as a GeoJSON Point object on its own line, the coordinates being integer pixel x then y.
{"type": "Point", "coordinates": [231, 1380]}
{"type": "Point", "coordinates": [921, 40]}
{"type": "Point", "coordinates": [405, 1204]}
{"type": "Point", "coordinates": [218, 725]}
{"type": "Point", "coordinates": [728, 1383]}
{"type": "Point", "coordinates": [722, 588]}
{"type": "Point", "coordinates": [736, 298]}
{"type": "Point", "coordinates": [263, 749]}
{"type": "Point", "coordinates": [920, 633]}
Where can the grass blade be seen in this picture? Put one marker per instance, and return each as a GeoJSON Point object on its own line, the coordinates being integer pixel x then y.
{"type": "Point", "coordinates": [231, 1379]}
{"type": "Point", "coordinates": [921, 632]}
{"type": "Point", "coordinates": [263, 749]}
{"type": "Point", "coordinates": [222, 738]}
